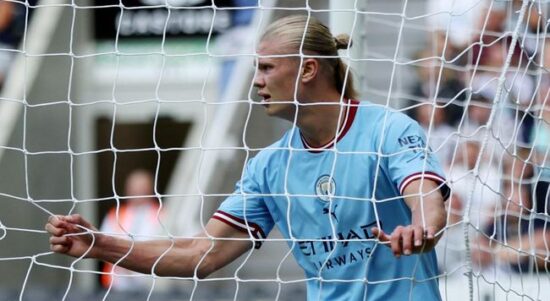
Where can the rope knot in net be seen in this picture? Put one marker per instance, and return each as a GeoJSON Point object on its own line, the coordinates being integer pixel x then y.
{"type": "Point", "coordinates": [3, 231]}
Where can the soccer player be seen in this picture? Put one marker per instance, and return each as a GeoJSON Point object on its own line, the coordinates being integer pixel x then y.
{"type": "Point", "coordinates": [352, 186]}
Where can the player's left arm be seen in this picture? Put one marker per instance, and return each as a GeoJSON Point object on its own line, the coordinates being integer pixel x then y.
{"type": "Point", "coordinates": [427, 206]}
{"type": "Point", "coordinates": [417, 175]}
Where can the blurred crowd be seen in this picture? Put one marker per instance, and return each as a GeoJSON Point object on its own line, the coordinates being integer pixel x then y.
{"type": "Point", "coordinates": [490, 127]}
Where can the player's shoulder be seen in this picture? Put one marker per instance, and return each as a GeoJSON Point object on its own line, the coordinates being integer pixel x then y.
{"type": "Point", "coordinates": [381, 116]}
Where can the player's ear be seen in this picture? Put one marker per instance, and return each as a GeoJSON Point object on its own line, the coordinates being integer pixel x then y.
{"type": "Point", "coordinates": [310, 69]}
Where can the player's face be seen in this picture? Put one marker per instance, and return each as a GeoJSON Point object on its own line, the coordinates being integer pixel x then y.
{"type": "Point", "coordinates": [276, 80]}
{"type": "Point", "coordinates": [139, 185]}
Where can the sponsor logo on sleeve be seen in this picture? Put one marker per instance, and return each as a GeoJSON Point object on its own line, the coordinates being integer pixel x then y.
{"type": "Point", "coordinates": [416, 144]}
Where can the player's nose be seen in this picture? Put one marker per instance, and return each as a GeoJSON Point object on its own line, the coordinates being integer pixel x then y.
{"type": "Point", "coordinates": [259, 81]}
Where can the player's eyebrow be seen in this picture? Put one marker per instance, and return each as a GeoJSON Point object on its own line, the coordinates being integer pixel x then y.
{"type": "Point", "coordinates": [258, 64]}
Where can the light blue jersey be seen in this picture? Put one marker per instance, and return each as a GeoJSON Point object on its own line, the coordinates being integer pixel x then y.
{"type": "Point", "coordinates": [326, 200]}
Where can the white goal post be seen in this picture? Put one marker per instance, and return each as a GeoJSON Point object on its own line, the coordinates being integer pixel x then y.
{"type": "Point", "coordinates": [99, 90]}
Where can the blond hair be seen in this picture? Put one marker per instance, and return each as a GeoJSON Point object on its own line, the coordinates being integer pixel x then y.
{"type": "Point", "coordinates": [289, 33]}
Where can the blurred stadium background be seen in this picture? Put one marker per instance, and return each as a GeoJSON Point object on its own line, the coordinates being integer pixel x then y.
{"type": "Point", "coordinates": [85, 102]}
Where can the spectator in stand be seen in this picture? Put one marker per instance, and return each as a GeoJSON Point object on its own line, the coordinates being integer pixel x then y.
{"type": "Point", "coordinates": [534, 225]}
{"type": "Point", "coordinates": [502, 17]}
{"type": "Point", "coordinates": [456, 26]}
{"type": "Point", "coordinates": [137, 218]}
{"type": "Point", "coordinates": [495, 20]}
{"type": "Point", "coordinates": [518, 239]}
{"type": "Point", "coordinates": [482, 177]}
{"type": "Point", "coordinates": [479, 185]}
{"type": "Point", "coordinates": [504, 128]}
{"type": "Point", "coordinates": [448, 91]}
{"type": "Point", "coordinates": [490, 56]}
{"type": "Point", "coordinates": [519, 86]}
{"type": "Point", "coordinates": [462, 20]}
{"type": "Point", "coordinates": [476, 178]}
{"type": "Point", "coordinates": [432, 118]}
{"type": "Point", "coordinates": [501, 202]}
{"type": "Point", "coordinates": [540, 137]}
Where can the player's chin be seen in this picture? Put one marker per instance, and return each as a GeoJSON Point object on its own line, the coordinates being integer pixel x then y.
{"type": "Point", "coordinates": [271, 105]}
{"type": "Point", "coordinates": [270, 108]}
{"type": "Point", "coordinates": [280, 111]}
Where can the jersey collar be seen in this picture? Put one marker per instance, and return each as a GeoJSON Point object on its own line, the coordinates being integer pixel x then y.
{"type": "Point", "coordinates": [349, 116]}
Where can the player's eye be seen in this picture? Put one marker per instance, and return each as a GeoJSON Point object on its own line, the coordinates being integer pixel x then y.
{"type": "Point", "coordinates": [265, 67]}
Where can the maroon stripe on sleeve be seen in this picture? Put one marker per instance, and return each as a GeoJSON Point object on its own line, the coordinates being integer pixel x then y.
{"type": "Point", "coordinates": [445, 190]}
{"type": "Point", "coordinates": [242, 226]}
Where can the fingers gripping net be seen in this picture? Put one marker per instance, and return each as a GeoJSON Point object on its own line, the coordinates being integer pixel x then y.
{"type": "Point", "coordinates": [162, 92]}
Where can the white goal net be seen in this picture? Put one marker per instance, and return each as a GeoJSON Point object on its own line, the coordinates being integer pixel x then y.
{"type": "Point", "coordinates": [142, 115]}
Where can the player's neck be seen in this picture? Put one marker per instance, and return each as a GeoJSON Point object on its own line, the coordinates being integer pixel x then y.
{"type": "Point", "coordinates": [319, 123]}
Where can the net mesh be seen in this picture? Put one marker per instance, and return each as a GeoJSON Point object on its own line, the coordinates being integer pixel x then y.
{"type": "Point", "coordinates": [93, 92]}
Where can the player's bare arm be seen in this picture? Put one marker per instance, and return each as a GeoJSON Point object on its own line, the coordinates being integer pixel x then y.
{"type": "Point", "coordinates": [428, 212]}
{"type": "Point", "coordinates": [185, 257]}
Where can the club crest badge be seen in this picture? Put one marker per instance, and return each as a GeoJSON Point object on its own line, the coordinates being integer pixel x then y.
{"type": "Point", "coordinates": [325, 187]}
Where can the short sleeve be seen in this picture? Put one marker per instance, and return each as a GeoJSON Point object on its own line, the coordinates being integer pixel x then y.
{"type": "Point", "coordinates": [245, 209]}
{"type": "Point", "coordinates": [407, 155]}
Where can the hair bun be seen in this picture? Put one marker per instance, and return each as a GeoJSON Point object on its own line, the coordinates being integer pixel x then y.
{"type": "Point", "coordinates": [343, 41]}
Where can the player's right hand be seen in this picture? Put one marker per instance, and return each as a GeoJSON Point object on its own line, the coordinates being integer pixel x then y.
{"type": "Point", "coordinates": [407, 240]}
{"type": "Point", "coordinates": [69, 235]}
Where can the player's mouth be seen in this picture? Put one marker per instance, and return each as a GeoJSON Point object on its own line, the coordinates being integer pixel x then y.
{"type": "Point", "coordinates": [265, 98]}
